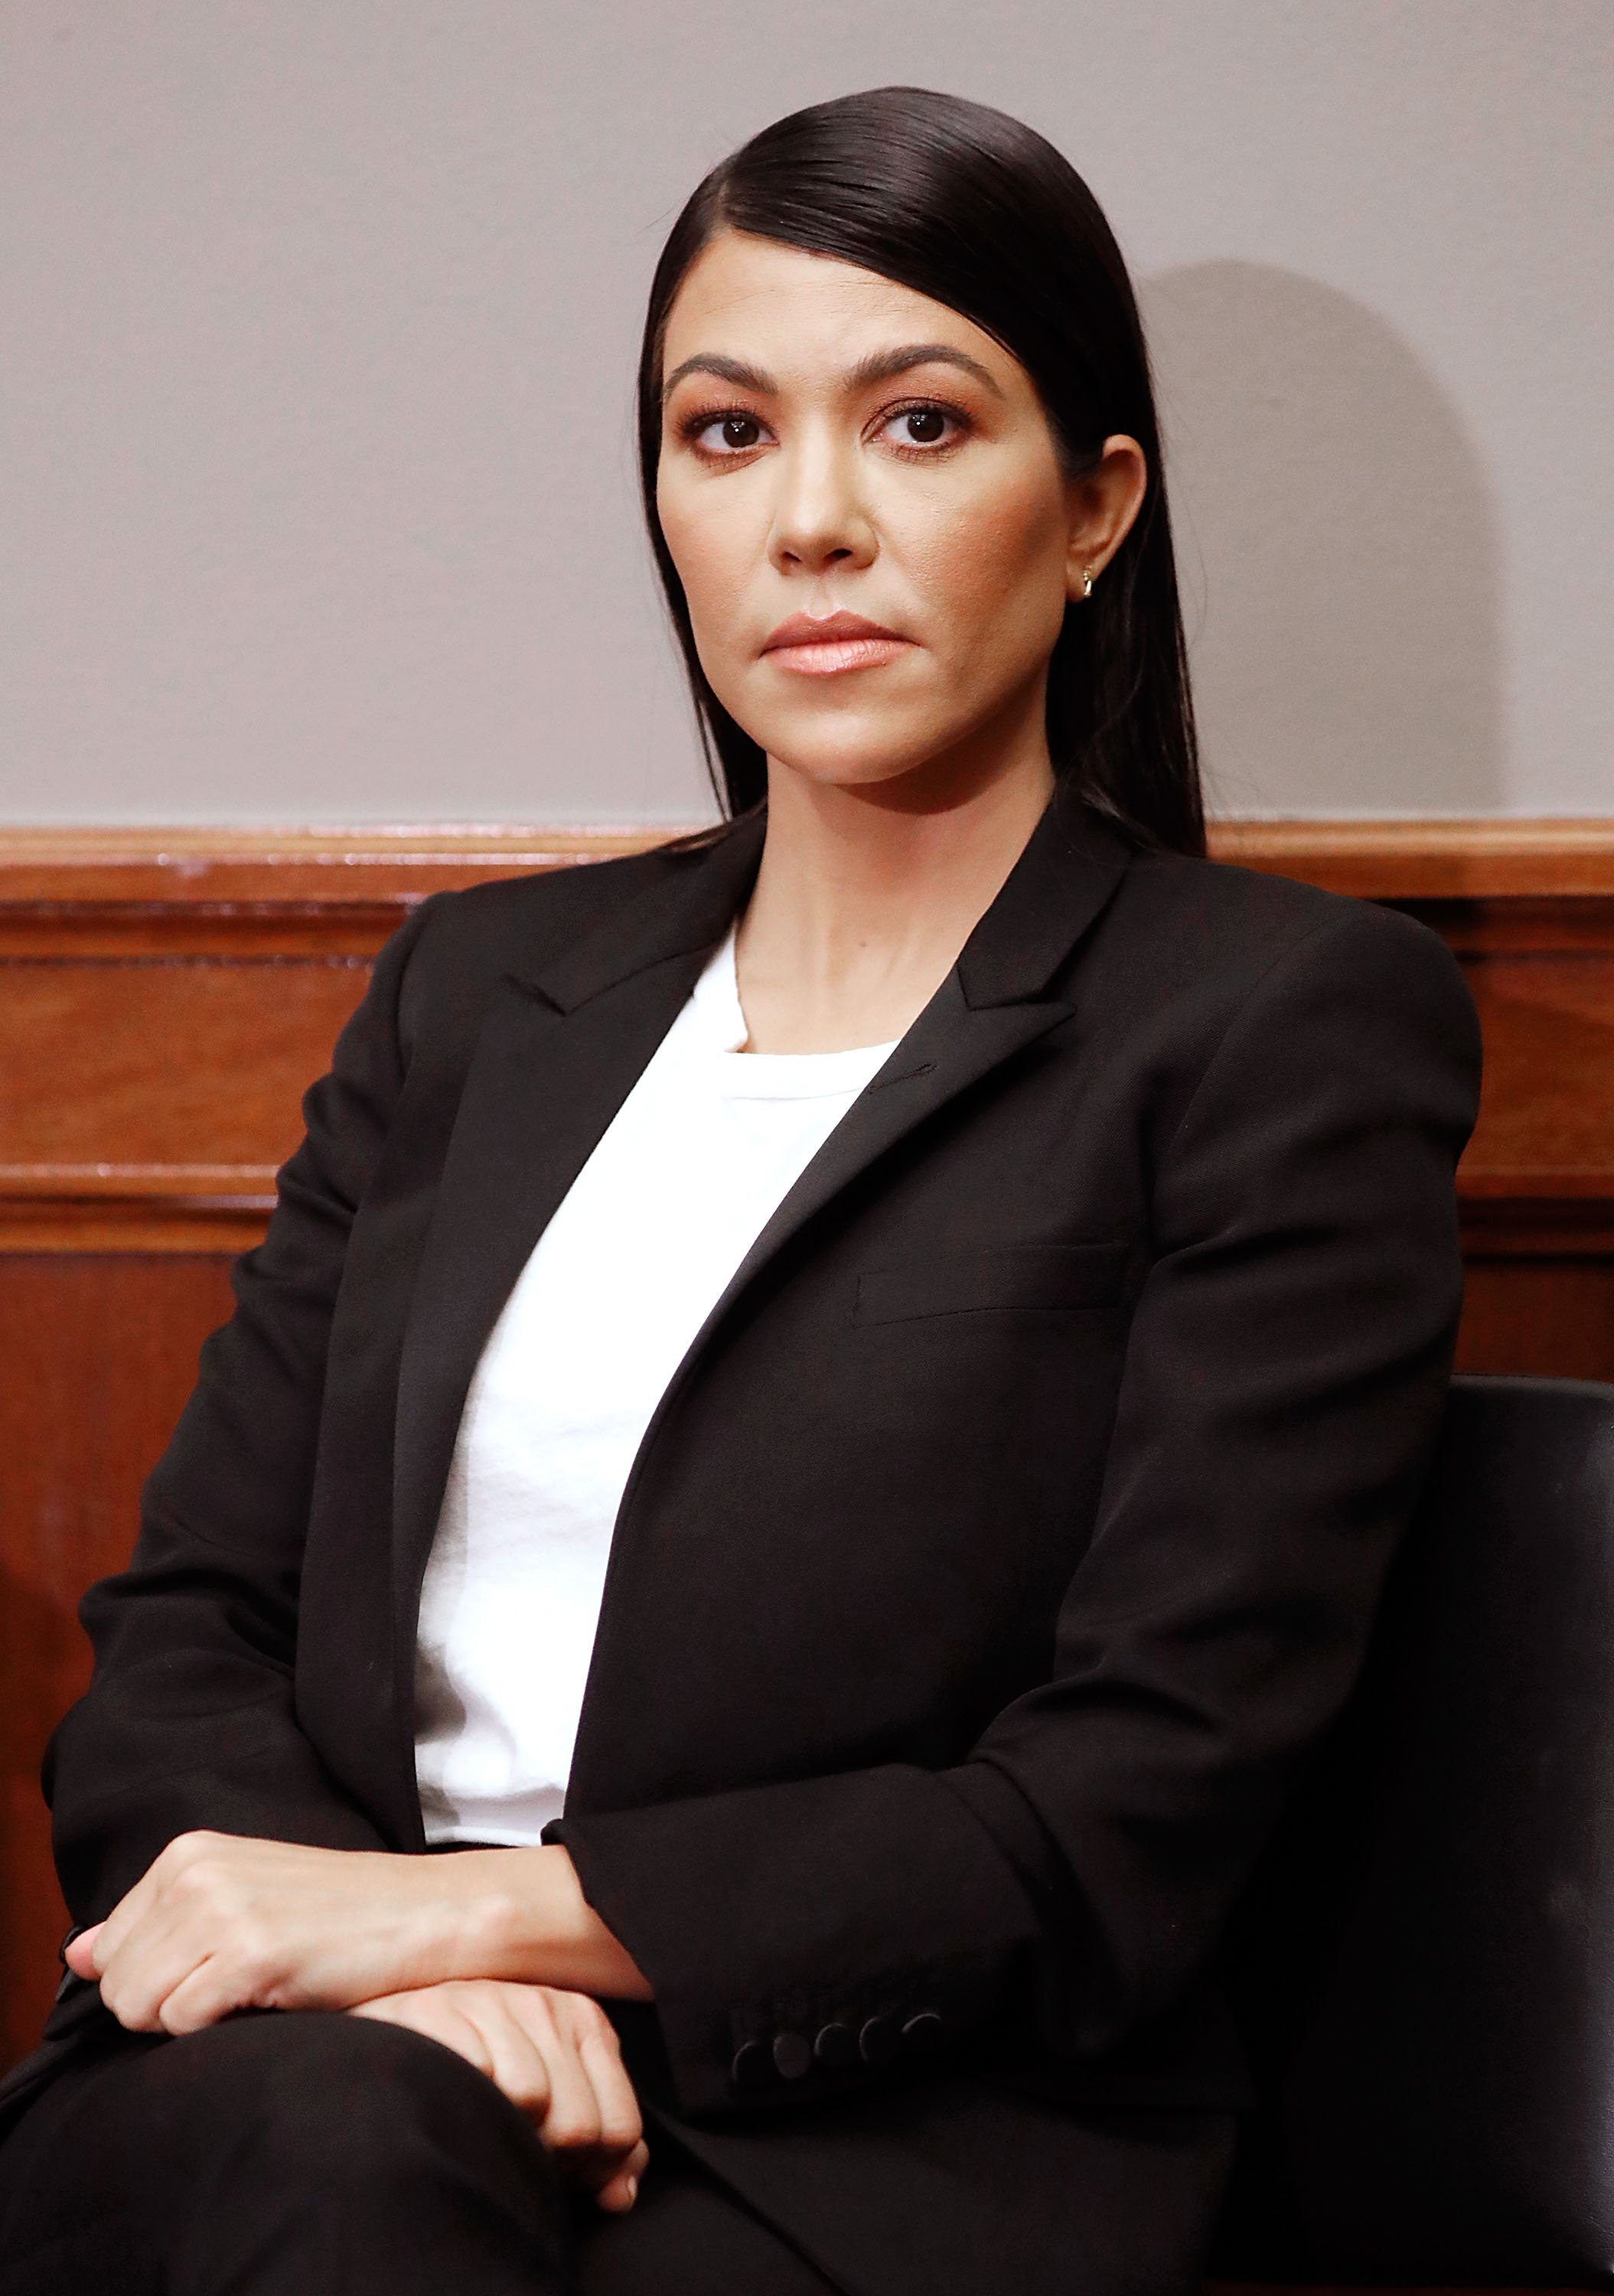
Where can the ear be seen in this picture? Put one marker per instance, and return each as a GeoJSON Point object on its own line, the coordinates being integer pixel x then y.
{"type": "Point", "coordinates": [1104, 502]}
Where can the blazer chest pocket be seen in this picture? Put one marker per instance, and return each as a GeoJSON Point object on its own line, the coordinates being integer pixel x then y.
{"type": "Point", "coordinates": [1037, 1275]}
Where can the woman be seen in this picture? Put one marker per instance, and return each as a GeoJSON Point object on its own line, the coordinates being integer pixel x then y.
{"type": "Point", "coordinates": [984, 1277]}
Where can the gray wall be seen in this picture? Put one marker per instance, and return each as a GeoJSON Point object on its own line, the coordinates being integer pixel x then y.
{"type": "Point", "coordinates": [317, 319]}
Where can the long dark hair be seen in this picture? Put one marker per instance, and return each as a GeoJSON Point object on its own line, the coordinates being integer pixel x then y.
{"type": "Point", "coordinates": [968, 207]}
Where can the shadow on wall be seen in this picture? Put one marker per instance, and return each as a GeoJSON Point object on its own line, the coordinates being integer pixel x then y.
{"type": "Point", "coordinates": [1338, 548]}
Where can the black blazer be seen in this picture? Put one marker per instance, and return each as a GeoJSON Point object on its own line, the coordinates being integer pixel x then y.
{"type": "Point", "coordinates": [1008, 1532]}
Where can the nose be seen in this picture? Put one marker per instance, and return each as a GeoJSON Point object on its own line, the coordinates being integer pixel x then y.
{"type": "Point", "coordinates": [819, 517]}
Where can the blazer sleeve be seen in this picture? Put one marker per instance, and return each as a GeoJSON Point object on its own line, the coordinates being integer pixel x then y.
{"type": "Point", "coordinates": [188, 1719]}
{"type": "Point", "coordinates": [1281, 1391]}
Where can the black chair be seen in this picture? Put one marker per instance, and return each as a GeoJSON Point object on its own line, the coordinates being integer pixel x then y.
{"type": "Point", "coordinates": [1425, 1966]}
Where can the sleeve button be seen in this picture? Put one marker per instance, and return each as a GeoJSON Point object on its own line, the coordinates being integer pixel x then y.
{"type": "Point", "coordinates": [877, 2042]}
{"type": "Point", "coordinates": [836, 2046]}
{"type": "Point", "coordinates": [922, 2035]}
{"type": "Point", "coordinates": [752, 2065]}
{"type": "Point", "coordinates": [792, 2056]}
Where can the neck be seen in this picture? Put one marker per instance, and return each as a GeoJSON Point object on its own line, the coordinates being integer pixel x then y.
{"type": "Point", "coordinates": [865, 895]}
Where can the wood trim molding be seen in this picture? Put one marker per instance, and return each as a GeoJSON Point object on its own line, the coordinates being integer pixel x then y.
{"type": "Point", "coordinates": [1399, 860]}
{"type": "Point", "coordinates": [1444, 860]}
{"type": "Point", "coordinates": [140, 1208]}
{"type": "Point", "coordinates": [285, 848]}
{"type": "Point", "coordinates": [138, 1226]}
{"type": "Point", "coordinates": [230, 869]}
{"type": "Point", "coordinates": [216, 963]}
{"type": "Point", "coordinates": [1425, 857]}
{"type": "Point", "coordinates": [265, 893]}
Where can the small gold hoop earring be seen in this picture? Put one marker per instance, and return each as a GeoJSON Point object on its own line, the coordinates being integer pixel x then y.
{"type": "Point", "coordinates": [1086, 581]}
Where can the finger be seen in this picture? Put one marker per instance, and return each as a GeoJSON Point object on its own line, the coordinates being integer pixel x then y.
{"type": "Point", "coordinates": [433, 2011]}
{"type": "Point", "coordinates": [425, 2010]}
{"type": "Point", "coordinates": [516, 2065]}
{"type": "Point", "coordinates": [600, 2054]}
{"type": "Point", "coordinates": [621, 2126]}
{"type": "Point", "coordinates": [571, 2121]}
{"type": "Point", "coordinates": [153, 1960]}
{"type": "Point", "coordinates": [124, 1920]}
{"type": "Point", "coordinates": [214, 1989]}
{"type": "Point", "coordinates": [445, 2022]}
{"type": "Point", "coordinates": [610, 2167]}
{"type": "Point", "coordinates": [391, 2010]}
{"type": "Point", "coordinates": [439, 2012]}
{"type": "Point", "coordinates": [619, 2193]}
{"type": "Point", "coordinates": [80, 1955]}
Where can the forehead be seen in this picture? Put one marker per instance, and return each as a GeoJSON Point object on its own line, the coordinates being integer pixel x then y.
{"type": "Point", "coordinates": [801, 315]}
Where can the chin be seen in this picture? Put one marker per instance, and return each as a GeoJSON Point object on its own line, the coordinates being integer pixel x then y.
{"type": "Point", "coordinates": [856, 755]}
{"type": "Point", "coordinates": [845, 773]}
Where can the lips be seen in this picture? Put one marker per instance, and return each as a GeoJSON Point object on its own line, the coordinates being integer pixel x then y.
{"type": "Point", "coordinates": [822, 647]}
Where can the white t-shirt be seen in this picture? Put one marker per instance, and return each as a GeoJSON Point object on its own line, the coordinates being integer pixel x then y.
{"type": "Point", "coordinates": [696, 1160]}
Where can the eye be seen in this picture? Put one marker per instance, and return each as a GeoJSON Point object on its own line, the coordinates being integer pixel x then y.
{"type": "Point", "coordinates": [724, 435]}
{"type": "Point", "coordinates": [924, 427]}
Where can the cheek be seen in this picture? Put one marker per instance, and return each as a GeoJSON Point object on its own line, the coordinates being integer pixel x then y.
{"type": "Point", "coordinates": [713, 548]}
{"type": "Point", "coordinates": [990, 562]}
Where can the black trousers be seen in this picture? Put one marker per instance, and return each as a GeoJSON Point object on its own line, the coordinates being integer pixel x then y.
{"type": "Point", "coordinates": [306, 2154]}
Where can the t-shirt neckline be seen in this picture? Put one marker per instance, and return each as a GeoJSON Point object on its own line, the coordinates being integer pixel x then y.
{"type": "Point", "coordinates": [771, 1076]}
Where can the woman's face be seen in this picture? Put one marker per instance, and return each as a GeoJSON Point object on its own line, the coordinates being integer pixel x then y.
{"type": "Point", "coordinates": [862, 497]}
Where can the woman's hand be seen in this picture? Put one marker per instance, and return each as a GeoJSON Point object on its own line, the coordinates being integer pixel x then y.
{"type": "Point", "coordinates": [554, 2054]}
{"type": "Point", "coordinates": [219, 1922]}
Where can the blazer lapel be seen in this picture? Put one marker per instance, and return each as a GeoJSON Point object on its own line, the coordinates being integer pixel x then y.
{"type": "Point", "coordinates": [558, 1052]}
{"type": "Point", "coordinates": [993, 1005]}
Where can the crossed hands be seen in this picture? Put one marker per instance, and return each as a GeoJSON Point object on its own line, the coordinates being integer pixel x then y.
{"type": "Point", "coordinates": [555, 2055]}
{"type": "Point", "coordinates": [458, 1949]}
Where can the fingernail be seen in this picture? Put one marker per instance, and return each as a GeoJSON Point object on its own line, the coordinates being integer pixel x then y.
{"type": "Point", "coordinates": [633, 2190]}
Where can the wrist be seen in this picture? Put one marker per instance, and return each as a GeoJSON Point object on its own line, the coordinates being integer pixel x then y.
{"type": "Point", "coordinates": [521, 1916]}
{"type": "Point", "coordinates": [514, 1915]}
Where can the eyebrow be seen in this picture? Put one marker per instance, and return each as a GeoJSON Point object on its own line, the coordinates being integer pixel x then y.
{"type": "Point", "coordinates": [879, 366]}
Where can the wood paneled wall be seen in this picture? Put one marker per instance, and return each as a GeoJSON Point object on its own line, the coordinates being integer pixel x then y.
{"type": "Point", "coordinates": [165, 998]}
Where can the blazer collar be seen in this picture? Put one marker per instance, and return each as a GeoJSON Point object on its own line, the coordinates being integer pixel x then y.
{"type": "Point", "coordinates": [688, 915]}
{"type": "Point", "coordinates": [1065, 877]}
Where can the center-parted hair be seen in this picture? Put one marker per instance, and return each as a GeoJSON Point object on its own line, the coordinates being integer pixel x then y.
{"type": "Point", "coordinates": [975, 210]}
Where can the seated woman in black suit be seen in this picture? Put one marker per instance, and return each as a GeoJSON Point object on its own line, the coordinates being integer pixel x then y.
{"type": "Point", "coordinates": [826, 1406]}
